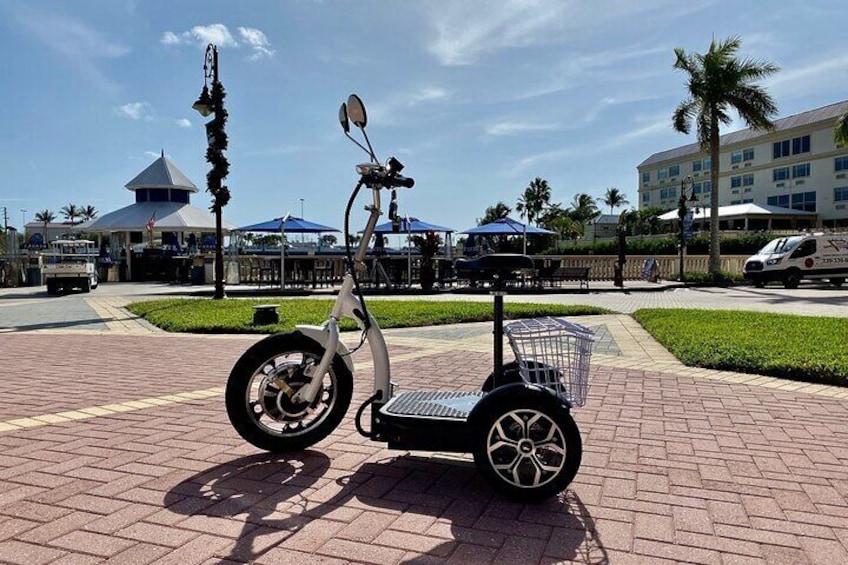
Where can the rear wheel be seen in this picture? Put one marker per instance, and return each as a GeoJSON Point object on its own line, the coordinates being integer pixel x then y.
{"type": "Point", "coordinates": [52, 287]}
{"type": "Point", "coordinates": [86, 285]}
{"type": "Point", "coordinates": [791, 279]}
{"type": "Point", "coordinates": [527, 445]}
{"type": "Point", "coordinates": [759, 283]}
{"type": "Point", "coordinates": [264, 380]}
{"type": "Point", "coordinates": [839, 281]}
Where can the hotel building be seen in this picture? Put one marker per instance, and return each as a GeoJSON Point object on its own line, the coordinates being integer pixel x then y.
{"type": "Point", "coordinates": [797, 166]}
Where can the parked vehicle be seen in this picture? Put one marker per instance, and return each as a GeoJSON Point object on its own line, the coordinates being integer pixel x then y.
{"type": "Point", "coordinates": [69, 264]}
{"type": "Point", "coordinates": [794, 258]}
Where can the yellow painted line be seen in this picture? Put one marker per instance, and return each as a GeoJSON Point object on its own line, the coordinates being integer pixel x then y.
{"type": "Point", "coordinates": [107, 409]}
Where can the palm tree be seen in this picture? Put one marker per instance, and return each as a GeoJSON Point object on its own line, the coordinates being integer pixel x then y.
{"type": "Point", "coordinates": [583, 208]}
{"type": "Point", "coordinates": [840, 133]}
{"type": "Point", "coordinates": [717, 82]}
{"type": "Point", "coordinates": [45, 217]}
{"type": "Point", "coordinates": [614, 198]}
{"type": "Point", "coordinates": [496, 212]}
{"type": "Point", "coordinates": [536, 196]}
{"type": "Point", "coordinates": [70, 212]}
{"type": "Point", "coordinates": [88, 213]}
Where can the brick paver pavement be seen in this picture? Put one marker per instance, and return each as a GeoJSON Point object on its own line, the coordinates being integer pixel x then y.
{"type": "Point", "coordinates": [116, 448]}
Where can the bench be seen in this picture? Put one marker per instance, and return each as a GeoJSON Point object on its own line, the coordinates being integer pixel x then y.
{"type": "Point", "coordinates": [561, 274]}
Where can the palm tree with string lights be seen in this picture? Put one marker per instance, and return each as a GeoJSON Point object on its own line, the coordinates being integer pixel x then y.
{"type": "Point", "coordinates": [717, 82]}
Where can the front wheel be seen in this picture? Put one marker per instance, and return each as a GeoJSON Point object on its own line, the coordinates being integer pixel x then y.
{"type": "Point", "coordinates": [264, 380]}
{"type": "Point", "coordinates": [527, 445]}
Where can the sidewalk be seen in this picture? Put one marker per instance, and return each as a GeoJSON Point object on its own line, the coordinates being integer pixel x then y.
{"type": "Point", "coordinates": [116, 448]}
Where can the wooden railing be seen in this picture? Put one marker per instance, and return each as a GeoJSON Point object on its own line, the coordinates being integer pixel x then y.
{"type": "Point", "coordinates": [325, 270]}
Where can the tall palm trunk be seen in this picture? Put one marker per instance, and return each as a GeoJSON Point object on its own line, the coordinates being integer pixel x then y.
{"type": "Point", "coordinates": [715, 252]}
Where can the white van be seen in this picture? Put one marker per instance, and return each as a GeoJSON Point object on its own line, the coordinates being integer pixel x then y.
{"type": "Point", "coordinates": [790, 259]}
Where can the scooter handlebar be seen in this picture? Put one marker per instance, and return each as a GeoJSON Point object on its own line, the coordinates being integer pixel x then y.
{"type": "Point", "coordinates": [402, 181]}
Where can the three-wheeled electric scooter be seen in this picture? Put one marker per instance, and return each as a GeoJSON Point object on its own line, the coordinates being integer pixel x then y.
{"type": "Point", "coordinates": [289, 391]}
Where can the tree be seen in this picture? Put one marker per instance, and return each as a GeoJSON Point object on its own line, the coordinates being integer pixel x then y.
{"type": "Point", "coordinates": [718, 82]}
{"type": "Point", "coordinates": [536, 197]}
{"type": "Point", "coordinates": [583, 208]}
{"type": "Point", "coordinates": [614, 198]}
{"type": "Point", "coordinates": [496, 212]}
{"type": "Point", "coordinates": [840, 133]}
{"type": "Point", "coordinates": [88, 213]}
{"type": "Point", "coordinates": [328, 240]}
{"type": "Point", "coordinates": [70, 212]}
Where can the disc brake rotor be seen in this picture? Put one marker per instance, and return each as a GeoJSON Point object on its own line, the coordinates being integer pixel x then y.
{"type": "Point", "coordinates": [277, 389]}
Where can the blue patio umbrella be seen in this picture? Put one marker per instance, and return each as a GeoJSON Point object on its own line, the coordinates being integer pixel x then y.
{"type": "Point", "coordinates": [287, 223]}
{"type": "Point", "coordinates": [508, 226]}
{"type": "Point", "coordinates": [412, 225]}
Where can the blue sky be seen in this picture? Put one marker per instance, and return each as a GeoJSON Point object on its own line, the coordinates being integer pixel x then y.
{"type": "Point", "coordinates": [476, 98]}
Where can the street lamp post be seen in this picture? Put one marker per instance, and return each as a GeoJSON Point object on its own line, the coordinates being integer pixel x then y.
{"type": "Point", "coordinates": [302, 218]}
{"type": "Point", "coordinates": [216, 136]}
{"type": "Point", "coordinates": [682, 214]}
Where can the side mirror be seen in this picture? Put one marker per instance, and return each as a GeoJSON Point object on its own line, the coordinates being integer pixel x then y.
{"type": "Point", "coordinates": [356, 111]}
{"type": "Point", "coordinates": [343, 118]}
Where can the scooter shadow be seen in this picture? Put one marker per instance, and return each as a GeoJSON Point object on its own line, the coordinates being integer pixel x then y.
{"type": "Point", "coordinates": [277, 495]}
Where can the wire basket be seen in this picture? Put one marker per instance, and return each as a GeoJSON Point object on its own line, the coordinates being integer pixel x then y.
{"type": "Point", "coordinates": [554, 353]}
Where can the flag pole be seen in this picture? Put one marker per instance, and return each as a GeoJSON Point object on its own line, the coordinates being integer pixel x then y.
{"type": "Point", "coordinates": [283, 251]}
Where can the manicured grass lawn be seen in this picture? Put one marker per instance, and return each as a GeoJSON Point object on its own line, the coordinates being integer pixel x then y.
{"type": "Point", "coordinates": [801, 348]}
{"type": "Point", "coordinates": [236, 316]}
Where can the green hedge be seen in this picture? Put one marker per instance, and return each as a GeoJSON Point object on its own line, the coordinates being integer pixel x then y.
{"type": "Point", "coordinates": [746, 244]}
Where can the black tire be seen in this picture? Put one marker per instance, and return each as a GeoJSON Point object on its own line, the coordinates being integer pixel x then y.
{"type": "Point", "coordinates": [52, 288]}
{"type": "Point", "coordinates": [511, 375]}
{"type": "Point", "coordinates": [839, 281]}
{"type": "Point", "coordinates": [526, 443]}
{"type": "Point", "coordinates": [86, 285]}
{"type": "Point", "coordinates": [760, 283]}
{"type": "Point", "coordinates": [791, 279]}
{"type": "Point", "coordinates": [260, 410]}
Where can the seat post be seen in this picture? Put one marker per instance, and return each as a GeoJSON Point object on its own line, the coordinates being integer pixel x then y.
{"type": "Point", "coordinates": [497, 331]}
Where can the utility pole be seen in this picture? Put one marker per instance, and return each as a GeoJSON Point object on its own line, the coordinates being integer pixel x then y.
{"type": "Point", "coordinates": [5, 219]}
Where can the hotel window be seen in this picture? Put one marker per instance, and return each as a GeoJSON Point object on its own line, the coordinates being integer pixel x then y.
{"type": "Point", "coordinates": [696, 188]}
{"type": "Point", "coordinates": [804, 201]}
{"type": "Point", "coordinates": [735, 157]}
{"type": "Point", "coordinates": [646, 197]}
{"type": "Point", "coordinates": [748, 154]}
{"type": "Point", "coordinates": [662, 174]}
{"type": "Point", "coordinates": [664, 194]}
{"type": "Point", "coordinates": [646, 177]}
{"type": "Point", "coordinates": [780, 174]}
{"type": "Point", "coordinates": [747, 200]}
{"type": "Point", "coordinates": [801, 145]}
{"type": "Point", "coordinates": [797, 145]}
{"type": "Point", "coordinates": [748, 180]}
{"type": "Point", "coordinates": [733, 202]}
{"type": "Point", "coordinates": [708, 186]}
{"type": "Point", "coordinates": [840, 163]}
{"type": "Point", "coordinates": [800, 171]}
{"type": "Point", "coordinates": [674, 171]}
{"type": "Point", "coordinates": [672, 192]}
{"type": "Point", "coordinates": [840, 194]}
{"type": "Point", "coordinates": [736, 182]}
{"type": "Point", "coordinates": [780, 149]}
{"type": "Point", "coordinates": [708, 164]}
{"type": "Point", "coordinates": [696, 166]}
{"type": "Point", "coordinates": [782, 201]}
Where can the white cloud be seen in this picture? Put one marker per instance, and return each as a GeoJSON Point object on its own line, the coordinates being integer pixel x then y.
{"type": "Point", "coordinates": [183, 123]}
{"type": "Point", "coordinates": [136, 111]}
{"type": "Point", "coordinates": [258, 41]}
{"type": "Point", "coordinates": [393, 107]}
{"type": "Point", "coordinates": [512, 127]}
{"type": "Point", "coordinates": [71, 38]}
{"type": "Point", "coordinates": [220, 35]}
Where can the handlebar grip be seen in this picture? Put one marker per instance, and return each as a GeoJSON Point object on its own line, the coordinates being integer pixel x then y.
{"type": "Point", "coordinates": [402, 181]}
